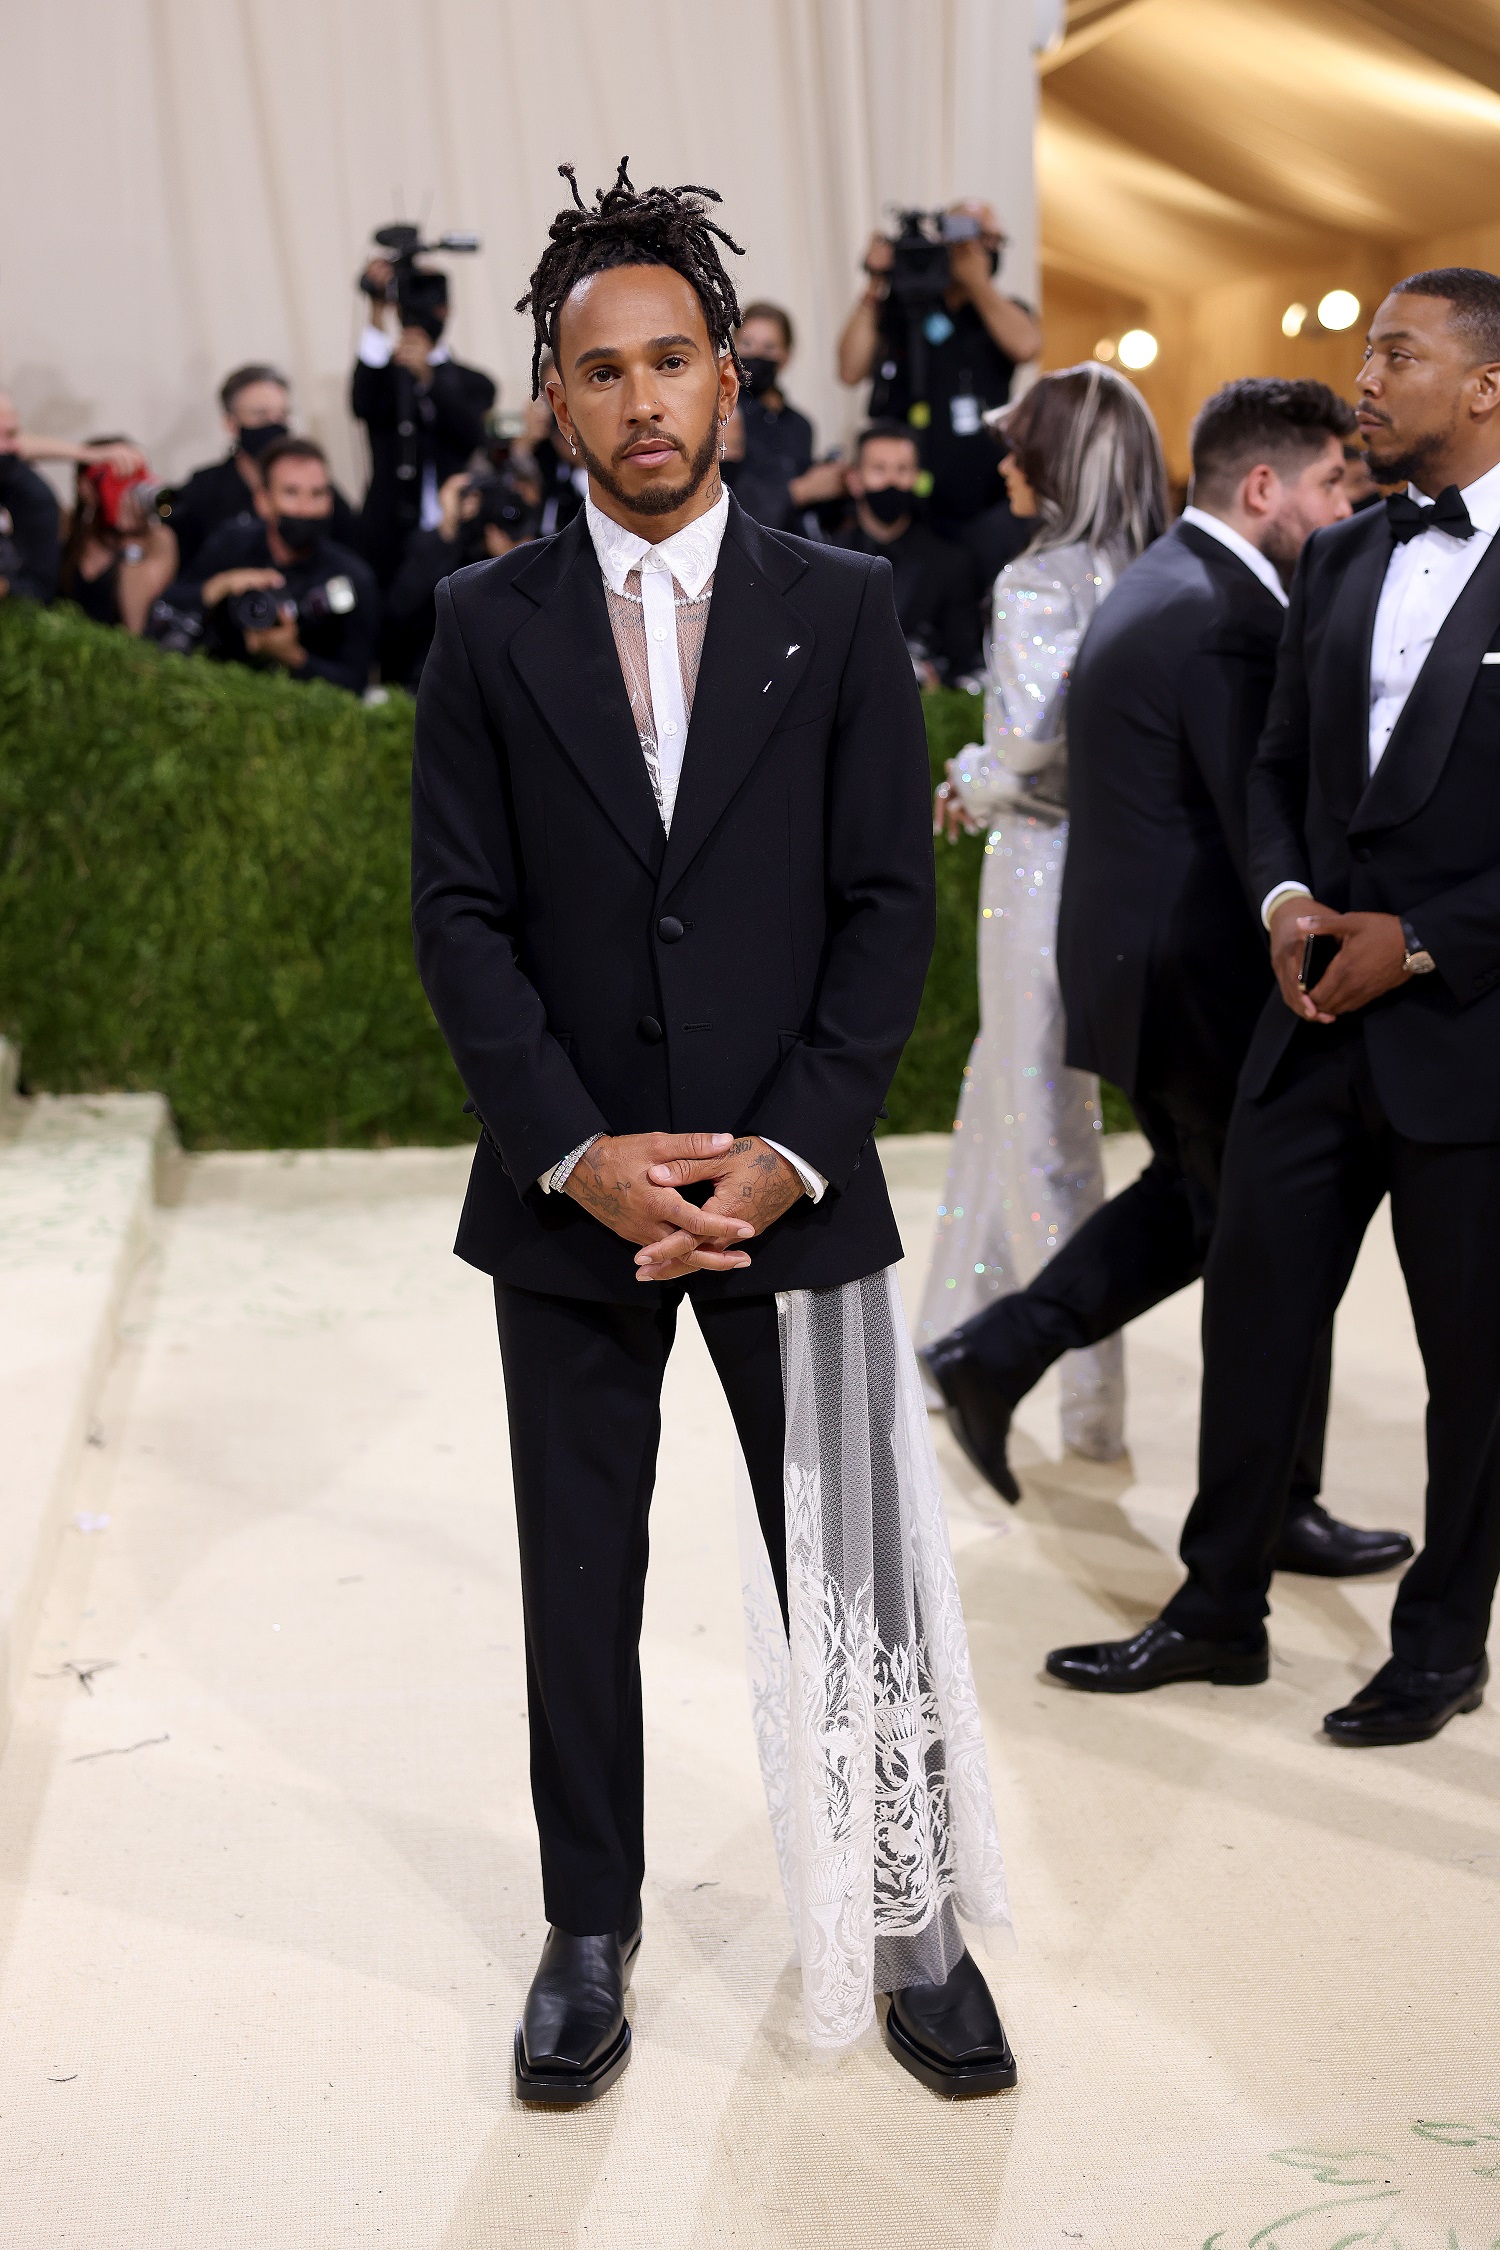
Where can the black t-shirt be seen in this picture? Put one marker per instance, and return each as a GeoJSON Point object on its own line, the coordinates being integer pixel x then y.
{"type": "Point", "coordinates": [778, 448]}
{"type": "Point", "coordinates": [29, 526]}
{"type": "Point", "coordinates": [937, 605]}
{"type": "Point", "coordinates": [338, 633]}
{"type": "Point", "coordinates": [219, 495]}
{"type": "Point", "coordinates": [967, 373]}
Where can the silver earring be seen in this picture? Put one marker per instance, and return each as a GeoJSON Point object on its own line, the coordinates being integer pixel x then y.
{"type": "Point", "coordinates": [573, 446]}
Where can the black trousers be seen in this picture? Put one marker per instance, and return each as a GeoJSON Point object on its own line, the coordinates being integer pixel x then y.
{"type": "Point", "coordinates": [1305, 1169]}
{"type": "Point", "coordinates": [583, 1393]}
{"type": "Point", "coordinates": [1143, 1245]}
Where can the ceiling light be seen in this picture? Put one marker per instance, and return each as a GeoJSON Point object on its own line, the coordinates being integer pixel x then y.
{"type": "Point", "coordinates": [1105, 348]}
{"type": "Point", "coordinates": [1339, 309]}
{"type": "Point", "coordinates": [1294, 320]}
{"type": "Point", "coordinates": [1138, 346]}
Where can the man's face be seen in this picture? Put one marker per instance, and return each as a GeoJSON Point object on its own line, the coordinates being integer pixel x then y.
{"type": "Point", "coordinates": [883, 462]}
{"type": "Point", "coordinates": [1418, 385]}
{"type": "Point", "coordinates": [258, 406]}
{"type": "Point", "coordinates": [761, 338]}
{"type": "Point", "coordinates": [295, 488]}
{"type": "Point", "coordinates": [1307, 502]}
{"type": "Point", "coordinates": [641, 388]}
{"type": "Point", "coordinates": [10, 423]}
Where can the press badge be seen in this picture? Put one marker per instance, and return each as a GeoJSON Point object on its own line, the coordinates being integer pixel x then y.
{"type": "Point", "coordinates": [964, 415]}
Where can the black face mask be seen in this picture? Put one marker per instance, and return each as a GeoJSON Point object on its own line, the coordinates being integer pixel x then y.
{"type": "Point", "coordinates": [255, 442]}
{"type": "Point", "coordinates": [301, 533]}
{"type": "Point", "coordinates": [761, 375]}
{"type": "Point", "coordinates": [890, 503]}
{"type": "Point", "coordinates": [433, 322]}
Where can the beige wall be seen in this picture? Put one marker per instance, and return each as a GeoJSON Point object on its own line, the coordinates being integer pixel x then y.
{"type": "Point", "coordinates": [187, 184]}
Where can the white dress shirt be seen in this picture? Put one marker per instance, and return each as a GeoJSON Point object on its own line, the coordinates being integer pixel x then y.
{"type": "Point", "coordinates": [1423, 579]}
{"type": "Point", "coordinates": [687, 559]}
{"type": "Point", "coordinates": [1252, 558]}
{"type": "Point", "coordinates": [375, 350]}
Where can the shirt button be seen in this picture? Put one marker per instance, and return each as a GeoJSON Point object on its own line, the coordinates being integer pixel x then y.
{"type": "Point", "coordinates": [670, 727]}
{"type": "Point", "coordinates": [658, 632]}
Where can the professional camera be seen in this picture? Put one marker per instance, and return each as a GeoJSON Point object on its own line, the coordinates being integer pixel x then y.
{"type": "Point", "coordinates": [415, 292]}
{"type": "Point", "coordinates": [501, 503]}
{"type": "Point", "coordinates": [178, 630]}
{"type": "Point", "coordinates": [261, 607]}
{"type": "Point", "coordinates": [919, 260]}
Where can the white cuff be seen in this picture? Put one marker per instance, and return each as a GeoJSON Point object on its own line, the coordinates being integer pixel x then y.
{"type": "Point", "coordinates": [1273, 898]}
{"type": "Point", "coordinates": [814, 1182]}
{"type": "Point", "coordinates": [375, 347]}
{"type": "Point", "coordinates": [553, 1182]}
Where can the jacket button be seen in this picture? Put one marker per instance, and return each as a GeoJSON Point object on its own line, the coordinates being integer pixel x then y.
{"type": "Point", "coordinates": [669, 929]}
{"type": "Point", "coordinates": [650, 1030]}
{"type": "Point", "coordinates": [1362, 854]}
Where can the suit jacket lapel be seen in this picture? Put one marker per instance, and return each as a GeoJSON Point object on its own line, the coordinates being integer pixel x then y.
{"type": "Point", "coordinates": [566, 655]}
{"type": "Point", "coordinates": [1423, 736]}
{"type": "Point", "coordinates": [1343, 740]}
{"type": "Point", "coordinates": [754, 653]}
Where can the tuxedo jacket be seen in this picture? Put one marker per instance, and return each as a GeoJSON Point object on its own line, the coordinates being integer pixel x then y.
{"type": "Point", "coordinates": [758, 971]}
{"type": "Point", "coordinates": [1164, 712]}
{"type": "Point", "coordinates": [1419, 837]}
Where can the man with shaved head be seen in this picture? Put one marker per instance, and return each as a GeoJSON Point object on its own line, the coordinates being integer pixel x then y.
{"type": "Point", "coordinates": [1374, 849]}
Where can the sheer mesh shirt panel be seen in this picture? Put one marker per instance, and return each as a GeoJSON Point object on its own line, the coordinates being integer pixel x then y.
{"type": "Point", "coordinates": [627, 621]}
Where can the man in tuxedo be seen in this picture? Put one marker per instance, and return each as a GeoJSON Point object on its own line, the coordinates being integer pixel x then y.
{"type": "Point", "coordinates": [673, 903]}
{"type": "Point", "coordinates": [1374, 830]}
{"type": "Point", "coordinates": [1161, 956]}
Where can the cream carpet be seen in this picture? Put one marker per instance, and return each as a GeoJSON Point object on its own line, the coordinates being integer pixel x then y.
{"type": "Point", "coordinates": [269, 1886]}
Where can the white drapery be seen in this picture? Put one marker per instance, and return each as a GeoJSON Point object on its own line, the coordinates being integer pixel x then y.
{"type": "Point", "coordinates": [866, 1718]}
{"type": "Point", "coordinates": [186, 185]}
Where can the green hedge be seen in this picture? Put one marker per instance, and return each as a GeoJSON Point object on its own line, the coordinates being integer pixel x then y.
{"type": "Point", "coordinates": [203, 889]}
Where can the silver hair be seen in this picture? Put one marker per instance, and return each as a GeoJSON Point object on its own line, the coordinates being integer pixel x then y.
{"type": "Point", "coordinates": [1089, 447]}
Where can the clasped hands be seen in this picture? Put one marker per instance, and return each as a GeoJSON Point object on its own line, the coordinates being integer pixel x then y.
{"type": "Point", "coordinates": [632, 1183]}
{"type": "Point", "coordinates": [1372, 948]}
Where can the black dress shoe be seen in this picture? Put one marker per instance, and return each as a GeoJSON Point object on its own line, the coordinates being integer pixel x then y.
{"type": "Point", "coordinates": [573, 2041]}
{"type": "Point", "coordinates": [1158, 1655]}
{"type": "Point", "coordinates": [978, 1414]}
{"type": "Point", "coordinates": [1402, 1704]}
{"type": "Point", "coordinates": [950, 2036]}
{"type": "Point", "coordinates": [1317, 1545]}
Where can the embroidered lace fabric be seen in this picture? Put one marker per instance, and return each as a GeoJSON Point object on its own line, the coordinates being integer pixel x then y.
{"type": "Point", "coordinates": [628, 624]}
{"type": "Point", "coordinates": [866, 1717]}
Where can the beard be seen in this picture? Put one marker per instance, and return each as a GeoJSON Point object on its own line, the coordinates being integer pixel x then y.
{"type": "Point", "coordinates": [661, 499]}
{"type": "Point", "coordinates": [1392, 462]}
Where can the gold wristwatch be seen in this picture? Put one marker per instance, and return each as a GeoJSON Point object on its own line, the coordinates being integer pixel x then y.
{"type": "Point", "coordinates": [1417, 961]}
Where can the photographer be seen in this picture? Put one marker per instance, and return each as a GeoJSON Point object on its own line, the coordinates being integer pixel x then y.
{"type": "Point", "coordinates": [256, 402]}
{"type": "Point", "coordinates": [936, 603]}
{"type": "Point", "coordinates": [28, 517]}
{"type": "Point", "coordinates": [276, 589]}
{"type": "Point", "coordinates": [481, 516]}
{"type": "Point", "coordinates": [541, 465]}
{"type": "Point", "coordinates": [423, 411]}
{"type": "Point", "coordinates": [118, 555]}
{"type": "Point", "coordinates": [966, 337]}
{"type": "Point", "coordinates": [769, 464]}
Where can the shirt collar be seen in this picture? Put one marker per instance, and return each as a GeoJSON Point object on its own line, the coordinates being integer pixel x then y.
{"type": "Point", "coordinates": [691, 555]}
{"type": "Point", "coordinates": [1251, 557]}
{"type": "Point", "coordinates": [1481, 498]}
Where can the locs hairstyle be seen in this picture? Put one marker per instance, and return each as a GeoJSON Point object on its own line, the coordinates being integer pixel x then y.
{"type": "Point", "coordinates": [631, 226]}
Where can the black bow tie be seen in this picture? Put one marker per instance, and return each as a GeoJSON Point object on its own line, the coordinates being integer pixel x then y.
{"type": "Point", "coordinates": [1408, 520]}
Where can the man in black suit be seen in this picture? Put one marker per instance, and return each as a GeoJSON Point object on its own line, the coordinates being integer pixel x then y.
{"type": "Point", "coordinates": [1374, 829]}
{"type": "Point", "coordinates": [1161, 956]}
{"type": "Point", "coordinates": [632, 941]}
{"type": "Point", "coordinates": [936, 598]}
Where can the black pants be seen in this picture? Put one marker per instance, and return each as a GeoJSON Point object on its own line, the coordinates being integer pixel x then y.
{"type": "Point", "coordinates": [583, 1392]}
{"type": "Point", "coordinates": [1304, 1171]}
{"type": "Point", "coordinates": [1142, 1246]}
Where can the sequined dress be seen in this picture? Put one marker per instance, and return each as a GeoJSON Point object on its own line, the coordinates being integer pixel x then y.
{"type": "Point", "coordinates": [1027, 1164]}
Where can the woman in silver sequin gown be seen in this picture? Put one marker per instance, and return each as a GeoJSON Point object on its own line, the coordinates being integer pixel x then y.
{"type": "Point", "coordinates": [1027, 1165]}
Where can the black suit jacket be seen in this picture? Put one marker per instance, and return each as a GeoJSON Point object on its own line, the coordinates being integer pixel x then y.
{"type": "Point", "coordinates": [409, 428]}
{"type": "Point", "coordinates": [758, 971]}
{"type": "Point", "coordinates": [1166, 706]}
{"type": "Point", "coordinates": [1419, 837]}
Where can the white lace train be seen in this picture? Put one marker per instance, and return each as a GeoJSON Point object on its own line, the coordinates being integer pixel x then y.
{"type": "Point", "coordinates": [866, 1717]}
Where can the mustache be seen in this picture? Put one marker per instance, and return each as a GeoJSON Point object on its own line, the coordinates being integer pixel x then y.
{"type": "Point", "coordinates": [651, 438]}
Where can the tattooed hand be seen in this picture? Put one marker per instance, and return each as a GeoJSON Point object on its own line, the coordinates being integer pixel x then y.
{"type": "Point", "coordinates": [751, 1182]}
{"type": "Point", "coordinates": [624, 1181]}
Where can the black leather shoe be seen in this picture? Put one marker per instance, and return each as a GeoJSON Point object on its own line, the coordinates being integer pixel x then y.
{"type": "Point", "coordinates": [573, 2041]}
{"type": "Point", "coordinates": [978, 1414]}
{"type": "Point", "coordinates": [1158, 1655]}
{"type": "Point", "coordinates": [1402, 1704]}
{"type": "Point", "coordinates": [1317, 1545]}
{"type": "Point", "coordinates": [950, 2036]}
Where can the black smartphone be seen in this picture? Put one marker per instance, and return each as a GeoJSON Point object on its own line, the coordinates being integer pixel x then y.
{"type": "Point", "coordinates": [1317, 958]}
